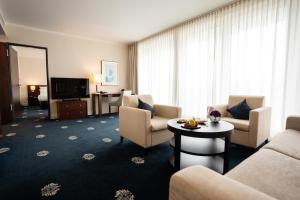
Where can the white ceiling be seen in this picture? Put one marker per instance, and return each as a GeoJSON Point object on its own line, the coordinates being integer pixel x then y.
{"type": "Point", "coordinates": [28, 52]}
{"type": "Point", "coordinates": [114, 20]}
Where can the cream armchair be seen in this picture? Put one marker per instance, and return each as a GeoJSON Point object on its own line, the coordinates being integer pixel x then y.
{"type": "Point", "coordinates": [137, 126]}
{"type": "Point", "coordinates": [252, 132]}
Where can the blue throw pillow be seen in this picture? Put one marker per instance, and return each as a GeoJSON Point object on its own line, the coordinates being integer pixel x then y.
{"type": "Point", "coordinates": [240, 111]}
{"type": "Point", "coordinates": [145, 106]}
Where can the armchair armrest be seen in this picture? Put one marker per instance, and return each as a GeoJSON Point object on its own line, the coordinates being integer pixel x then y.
{"type": "Point", "coordinates": [134, 124]}
{"type": "Point", "coordinates": [167, 111]}
{"type": "Point", "coordinates": [221, 108]}
{"type": "Point", "coordinates": [293, 122]}
{"type": "Point", "coordinates": [200, 183]}
{"type": "Point", "coordinates": [260, 123]}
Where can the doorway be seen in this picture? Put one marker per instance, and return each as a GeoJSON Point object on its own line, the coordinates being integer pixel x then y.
{"type": "Point", "coordinates": [29, 81]}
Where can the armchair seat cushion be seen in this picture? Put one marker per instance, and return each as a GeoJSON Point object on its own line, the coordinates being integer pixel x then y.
{"type": "Point", "coordinates": [159, 123]}
{"type": "Point", "coordinates": [239, 124]}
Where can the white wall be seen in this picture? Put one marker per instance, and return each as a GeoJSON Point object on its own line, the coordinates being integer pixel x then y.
{"type": "Point", "coordinates": [2, 26]}
{"type": "Point", "coordinates": [32, 71]}
{"type": "Point", "coordinates": [73, 57]}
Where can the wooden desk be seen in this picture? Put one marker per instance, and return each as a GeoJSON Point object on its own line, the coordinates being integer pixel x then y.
{"type": "Point", "coordinates": [100, 97]}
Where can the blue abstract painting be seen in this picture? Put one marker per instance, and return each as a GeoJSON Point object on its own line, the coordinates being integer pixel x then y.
{"type": "Point", "coordinates": [109, 73]}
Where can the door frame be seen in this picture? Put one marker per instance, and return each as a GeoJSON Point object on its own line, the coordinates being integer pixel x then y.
{"type": "Point", "coordinates": [47, 69]}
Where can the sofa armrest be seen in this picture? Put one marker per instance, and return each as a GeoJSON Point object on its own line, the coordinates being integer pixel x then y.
{"type": "Point", "coordinates": [200, 183]}
{"type": "Point", "coordinates": [293, 122]}
{"type": "Point", "coordinates": [260, 123]}
{"type": "Point", "coordinates": [221, 108]}
{"type": "Point", "coordinates": [167, 111]}
{"type": "Point", "coordinates": [134, 124]}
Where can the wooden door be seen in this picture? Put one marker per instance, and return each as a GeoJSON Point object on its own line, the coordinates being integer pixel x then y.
{"type": "Point", "coordinates": [5, 87]}
{"type": "Point", "coordinates": [15, 83]}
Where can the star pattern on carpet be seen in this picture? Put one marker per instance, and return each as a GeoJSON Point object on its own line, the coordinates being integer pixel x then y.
{"type": "Point", "coordinates": [79, 121]}
{"type": "Point", "coordinates": [72, 137]}
{"type": "Point", "coordinates": [42, 153]}
{"type": "Point", "coordinates": [103, 122]}
{"type": "Point", "coordinates": [90, 128]}
{"type": "Point", "coordinates": [124, 194]}
{"type": "Point", "coordinates": [50, 189]}
{"type": "Point", "coordinates": [38, 126]}
{"type": "Point", "coordinates": [106, 140]}
{"type": "Point", "coordinates": [4, 149]}
{"type": "Point", "coordinates": [40, 136]}
{"type": "Point", "coordinates": [138, 160]}
{"type": "Point", "coordinates": [14, 125]}
{"type": "Point", "coordinates": [64, 127]}
{"type": "Point", "coordinates": [88, 156]}
{"type": "Point", "coordinates": [10, 134]}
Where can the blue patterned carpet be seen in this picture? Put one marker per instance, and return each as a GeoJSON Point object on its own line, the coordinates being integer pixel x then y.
{"type": "Point", "coordinates": [83, 159]}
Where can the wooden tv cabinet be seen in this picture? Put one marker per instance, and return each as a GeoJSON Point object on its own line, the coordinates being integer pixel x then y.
{"type": "Point", "coordinates": [72, 109]}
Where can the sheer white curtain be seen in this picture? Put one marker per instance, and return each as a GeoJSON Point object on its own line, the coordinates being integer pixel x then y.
{"type": "Point", "coordinates": [251, 49]}
{"type": "Point", "coordinates": [291, 101]}
{"type": "Point", "coordinates": [239, 49]}
{"type": "Point", "coordinates": [248, 48]}
{"type": "Point", "coordinates": [195, 63]}
{"type": "Point", "coordinates": [156, 67]}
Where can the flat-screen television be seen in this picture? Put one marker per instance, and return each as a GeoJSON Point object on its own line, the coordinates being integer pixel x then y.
{"type": "Point", "coordinates": [70, 88]}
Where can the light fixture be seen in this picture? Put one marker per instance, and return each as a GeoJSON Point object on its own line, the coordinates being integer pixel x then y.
{"type": "Point", "coordinates": [32, 88]}
{"type": "Point", "coordinates": [97, 79]}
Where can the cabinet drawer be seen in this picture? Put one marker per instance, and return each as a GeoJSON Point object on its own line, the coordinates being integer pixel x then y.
{"type": "Point", "coordinates": [73, 105]}
{"type": "Point", "coordinates": [72, 109]}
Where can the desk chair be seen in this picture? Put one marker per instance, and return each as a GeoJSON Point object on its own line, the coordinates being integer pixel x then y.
{"type": "Point", "coordinates": [119, 101]}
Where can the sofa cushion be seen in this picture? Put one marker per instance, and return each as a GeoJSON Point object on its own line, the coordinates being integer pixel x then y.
{"type": "Point", "coordinates": [239, 124]}
{"type": "Point", "coordinates": [240, 110]}
{"type": "Point", "coordinates": [270, 172]}
{"type": "Point", "coordinates": [145, 106]}
{"type": "Point", "coordinates": [133, 100]}
{"type": "Point", "coordinates": [287, 143]}
{"type": "Point", "coordinates": [253, 101]}
{"type": "Point", "coordinates": [159, 123]}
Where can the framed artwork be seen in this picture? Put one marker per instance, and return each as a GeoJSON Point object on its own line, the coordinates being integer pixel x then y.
{"type": "Point", "coordinates": [109, 71]}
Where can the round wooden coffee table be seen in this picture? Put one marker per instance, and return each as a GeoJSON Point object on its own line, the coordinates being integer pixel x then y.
{"type": "Point", "coordinates": [210, 143]}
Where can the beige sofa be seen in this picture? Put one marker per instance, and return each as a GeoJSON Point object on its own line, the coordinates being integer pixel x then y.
{"type": "Point", "coordinates": [252, 132]}
{"type": "Point", "coordinates": [138, 126]}
{"type": "Point", "coordinates": [271, 173]}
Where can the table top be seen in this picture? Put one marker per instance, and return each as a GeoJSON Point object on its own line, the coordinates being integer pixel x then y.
{"type": "Point", "coordinates": [208, 130]}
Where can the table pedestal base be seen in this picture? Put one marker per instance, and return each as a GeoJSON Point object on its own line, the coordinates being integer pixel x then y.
{"type": "Point", "coordinates": [209, 152]}
{"type": "Point", "coordinates": [215, 163]}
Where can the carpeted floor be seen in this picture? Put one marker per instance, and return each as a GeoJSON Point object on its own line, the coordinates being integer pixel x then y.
{"type": "Point", "coordinates": [83, 159]}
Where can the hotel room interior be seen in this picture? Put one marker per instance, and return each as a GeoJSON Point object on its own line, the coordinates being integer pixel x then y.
{"type": "Point", "coordinates": [158, 100]}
